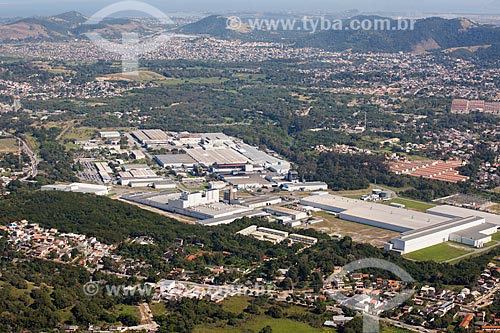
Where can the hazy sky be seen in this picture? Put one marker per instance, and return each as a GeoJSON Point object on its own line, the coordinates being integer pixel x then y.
{"type": "Point", "coordinates": [44, 7]}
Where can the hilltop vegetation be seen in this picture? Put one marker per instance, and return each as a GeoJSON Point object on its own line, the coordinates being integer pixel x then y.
{"type": "Point", "coordinates": [428, 34]}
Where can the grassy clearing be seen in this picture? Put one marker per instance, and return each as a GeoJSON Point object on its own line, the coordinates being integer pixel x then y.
{"type": "Point", "coordinates": [128, 310]}
{"type": "Point", "coordinates": [438, 253]}
{"type": "Point", "coordinates": [80, 133]}
{"type": "Point", "coordinates": [256, 323]}
{"type": "Point", "coordinates": [412, 204]}
{"type": "Point", "coordinates": [496, 237]}
{"type": "Point", "coordinates": [198, 80]}
{"type": "Point", "coordinates": [282, 325]}
{"type": "Point", "coordinates": [250, 77]}
{"type": "Point", "coordinates": [236, 304]}
{"type": "Point", "coordinates": [158, 308]}
{"type": "Point", "coordinates": [87, 133]}
{"type": "Point", "coordinates": [354, 194]}
{"type": "Point", "coordinates": [392, 329]}
{"type": "Point", "coordinates": [8, 145]}
{"type": "Point", "coordinates": [138, 76]}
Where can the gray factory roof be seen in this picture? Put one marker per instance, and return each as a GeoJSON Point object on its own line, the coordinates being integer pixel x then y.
{"type": "Point", "coordinates": [335, 203]}
{"type": "Point", "coordinates": [430, 230]}
{"type": "Point", "coordinates": [393, 218]}
{"type": "Point", "coordinates": [475, 232]}
{"type": "Point", "coordinates": [160, 197]}
{"type": "Point", "coordinates": [258, 199]}
{"type": "Point", "coordinates": [452, 211]}
{"type": "Point", "coordinates": [175, 159]}
{"type": "Point", "coordinates": [220, 156]}
{"type": "Point", "coordinates": [151, 135]}
{"type": "Point", "coordinates": [384, 216]}
{"type": "Point", "coordinates": [256, 155]}
{"type": "Point", "coordinates": [247, 180]}
{"type": "Point", "coordinates": [215, 136]}
{"type": "Point", "coordinates": [218, 208]}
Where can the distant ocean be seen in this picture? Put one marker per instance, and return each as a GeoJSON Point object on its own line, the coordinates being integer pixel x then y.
{"type": "Point", "coordinates": [24, 8]}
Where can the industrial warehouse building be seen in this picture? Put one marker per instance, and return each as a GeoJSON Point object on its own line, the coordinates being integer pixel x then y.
{"type": "Point", "coordinates": [78, 188]}
{"type": "Point", "coordinates": [373, 214]}
{"type": "Point", "coordinates": [201, 205]}
{"type": "Point", "coordinates": [276, 236]}
{"type": "Point", "coordinates": [452, 212]}
{"type": "Point", "coordinates": [218, 151]}
{"type": "Point", "coordinates": [283, 211]}
{"type": "Point", "coordinates": [175, 161]}
{"type": "Point", "coordinates": [419, 230]}
{"type": "Point", "coordinates": [305, 187]}
{"type": "Point", "coordinates": [473, 231]}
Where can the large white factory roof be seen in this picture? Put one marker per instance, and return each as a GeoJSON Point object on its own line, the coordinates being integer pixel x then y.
{"type": "Point", "coordinates": [382, 216]}
{"type": "Point", "coordinates": [443, 226]}
{"type": "Point", "coordinates": [452, 211]}
{"type": "Point", "coordinates": [476, 232]}
{"type": "Point", "coordinates": [334, 203]}
{"type": "Point", "coordinates": [391, 218]}
{"type": "Point", "coordinates": [219, 156]}
{"type": "Point", "coordinates": [78, 188]}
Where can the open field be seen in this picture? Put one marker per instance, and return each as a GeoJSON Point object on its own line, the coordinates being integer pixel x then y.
{"type": "Point", "coordinates": [412, 204]}
{"type": "Point", "coordinates": [45, 66]}
{"type": "Point", "coordinates": [439, 253]}
{"type": "Point", "coordinates": [358, 232]}
{"type": "Point", "coordinates": [86, 133]}
{"type": "Point", "coordinates": [128, 309]}
{"type": "Point", "coordinates": [236, 304]}
{"type": "Point", "coordinates": [8, 145]}
{"type": "Point", "coordinates": [355, 194]}
{"type": "Point", "coordinates": [157, 308]}
{"type": "Point", "coordinates": [137, 76]}
{"type": "Point", "coordinates": [496, 236]}
{"type": "Point", "coordinates": [198, 80]}
{"type": "Point", "coordinates": [392, 329]}
{"type": "Point", "coordinates": [282, 325]}
{"type": "Point", "coordinates": [256, 323]}
{"type": "Point", "coordinates": [79, 133]}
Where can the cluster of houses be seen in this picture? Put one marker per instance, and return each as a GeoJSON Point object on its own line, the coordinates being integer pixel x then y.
{"type": "Point", "coordinates": [35, 241]}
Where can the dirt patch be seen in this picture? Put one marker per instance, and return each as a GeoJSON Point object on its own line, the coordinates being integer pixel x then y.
{"type": "Point", "coordinates": [360, 233]}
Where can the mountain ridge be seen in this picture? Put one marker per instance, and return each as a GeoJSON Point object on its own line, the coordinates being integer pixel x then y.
{"type": "Point", "coordinates": [464, 36]}
{"type": "Point", "coordinates": [429, 34]}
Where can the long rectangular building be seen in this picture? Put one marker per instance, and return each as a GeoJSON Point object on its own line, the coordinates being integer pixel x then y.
{"type": "Point", "coordinates": [453, 212]}
{"type": "Point", "coordinates": [373, 214]}
{"type": "Point", "coordinates": [471, 230]}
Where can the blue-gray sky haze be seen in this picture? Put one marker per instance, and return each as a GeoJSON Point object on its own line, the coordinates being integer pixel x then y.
{"type": "Point", "coordinates": [47, 7]}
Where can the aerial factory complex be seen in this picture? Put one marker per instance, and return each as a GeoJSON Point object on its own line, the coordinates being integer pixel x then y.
{"type": "Point", "coordinates": [419, 230]}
